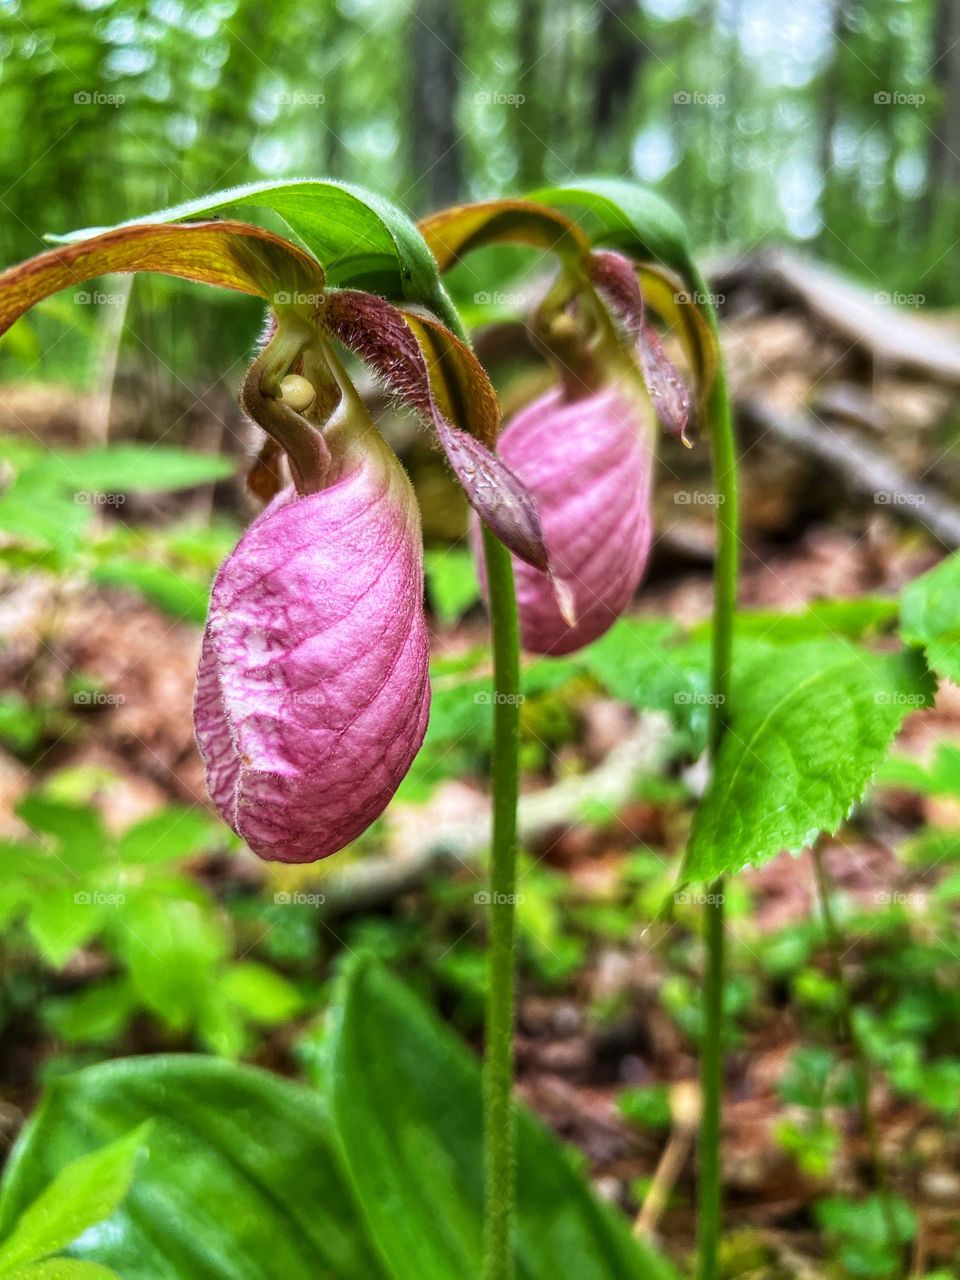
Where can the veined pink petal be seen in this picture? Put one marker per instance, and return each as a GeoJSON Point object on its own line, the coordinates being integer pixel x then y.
{"type": "Point", "coordinates": [313, 688]}
{"type": "Point", "coordinates": [588, 464]}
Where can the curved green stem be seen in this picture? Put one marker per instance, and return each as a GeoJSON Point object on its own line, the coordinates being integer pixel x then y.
{"type": "Point", "coordinates": [499, 1121]}
{"type": "Point", "coordinates": [724, 460]}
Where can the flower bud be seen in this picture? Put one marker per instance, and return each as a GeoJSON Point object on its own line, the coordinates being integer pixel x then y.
{"type": "Point", "coordinates": [588, 464]}
{"type": "Point", "coordinates": [313, 687]}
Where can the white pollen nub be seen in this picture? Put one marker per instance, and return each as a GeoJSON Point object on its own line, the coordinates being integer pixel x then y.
{"type": "Point", "coordinates": [297, 392]}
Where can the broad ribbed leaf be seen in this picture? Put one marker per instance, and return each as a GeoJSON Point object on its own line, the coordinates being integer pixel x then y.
{"type": "Point", "coordinates": [406, 1101]}
{"type": "Point", "coordinates": [812, 723]}
{"type": "Point", "coordinates": [230, 255]}
{"type": "Point", "coordinates": [242, 1178]}
{"type": "Point", "coordinates": [930, 615]}
{"type": "Point", "coordinates": [362, 240]}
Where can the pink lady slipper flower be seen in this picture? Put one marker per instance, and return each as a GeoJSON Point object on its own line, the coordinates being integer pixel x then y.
{"type": "Point", "coordinates": [313, 692]}
{"type": "Point", "coordinates": [585, 451]}
{"type": "Point", "coordinates": [589, 464]}
{"type": "Point", "coordinates": [313, 688]}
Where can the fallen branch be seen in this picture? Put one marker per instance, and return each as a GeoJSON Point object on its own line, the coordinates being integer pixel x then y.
{"type": "Point", "coordinates": [861, 466]}
{"type": "Point", "coordinates": [446, 845]}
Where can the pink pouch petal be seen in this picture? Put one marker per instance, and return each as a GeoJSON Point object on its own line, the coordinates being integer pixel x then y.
{"type": "Point", "coordinates": [313, 689]}
{"type": "Point", "coordinates": [588, 464]}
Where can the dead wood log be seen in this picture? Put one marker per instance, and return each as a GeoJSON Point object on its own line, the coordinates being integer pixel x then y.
{"type": "Point", "coordinates": [863, 468]}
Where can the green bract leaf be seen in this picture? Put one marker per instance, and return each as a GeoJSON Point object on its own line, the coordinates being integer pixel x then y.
{"type": "Point", "coordinates": [453, 233]}
{"type": "Point", "coordinates": [623, 215]}
{"type": "Point", "coordinates": [243, 1181]}
{"type": "Point", "coordinates": [231, 255]}
{"type": "Point", "coordinates": [406, 1101]}
{"type": "Point", "coordinates": [83, 1193]}
{"type": "Point", "coordinates": [930, 615]}
{"type": "Point", "coordinates": [812, 723]}
{"type": "Point", "coordinates": [362, 240]}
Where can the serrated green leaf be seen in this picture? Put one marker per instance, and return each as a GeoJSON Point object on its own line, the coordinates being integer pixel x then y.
{"type": "Point", "coordinates": [930, 615]}
{"type": "Point", "coordinates": [83, 1193]}
{"type": "Point", "coordinates": [244, 1178]}
{"type": "Point", "coordinates": [362, 240]}
{"type": "Point", "coordinates": [811, 724]}
{"type": "Point", "coordinates": [406, 1100]}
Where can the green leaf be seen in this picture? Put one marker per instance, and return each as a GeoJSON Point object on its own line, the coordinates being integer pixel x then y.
{"type": "Point", "coordinates": [243, 1179]}
{"type": "Point", "coordinates": [62, 1269]}
{"type": "Point", "coordinates": [63, 918]}
{"type": "Point", "coordinates": [161, 585]}
{"type": "Point", "coordinates": [260, 993]}
{"type": "Point", "coordinates": [78, 830]}
{"type": "Point", "coordinates": [451, 582]}
{"type": "Point", "coordinates": [83, 1193]}
{"type": "Point", "coordinates": [930, 615]}
{"type": "Point", "coordinates": [362, 240]}
{"type": "Point", "coordinates": [811, 724]}
{"type": "Point", "coordinates": [170, 834]}
{"type": "Point", "coordinates": [128, 468]}
{"type": "Point", "coordinates": [406, 1102]}
{"type": "Point", "coordinates": [96, 1014]}
{"type": "Point", "coordinates": [625, 216]}
{"type": "Point", "coordinates": [824, 619]}
{"type": "Point", "coordinates": [173, 949]}
{"type": "Point", "coordinates": [229, 255]}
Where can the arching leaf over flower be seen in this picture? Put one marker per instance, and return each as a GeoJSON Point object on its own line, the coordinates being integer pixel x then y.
{"type": "Point", "coordinates": [230, 255]}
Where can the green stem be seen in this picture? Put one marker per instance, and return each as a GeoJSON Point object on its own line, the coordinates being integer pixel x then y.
{"type": "Point", "coordinates": [724, 460]}
{"type": "Point", "coordinates": [854, 1044]}
{"type": "Point", "coordinates": [499, 1121]}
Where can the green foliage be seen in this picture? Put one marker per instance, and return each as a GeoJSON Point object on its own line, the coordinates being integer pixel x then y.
{"type": "Point", "coordinates": [860, 1232]}
{"type": "Point", "coordinates": [452, 584]}
{"type": "Point", "coordinates": [82, 1194]}
{"type": "Point", "coordinates": [73, 883]}
{"type": "Point", "coordinates": [252, 1175]}
{"type": "Point", "coordinates": [362, 240]}
{"type": "Point", "coordinates": [930, 615]}
{"type": "Point", "coordinates": [810, 726]}
{"type": "Point", "coordinates": [244, 1177]}
{"type": "Point", "coordinates": [410, 1123]}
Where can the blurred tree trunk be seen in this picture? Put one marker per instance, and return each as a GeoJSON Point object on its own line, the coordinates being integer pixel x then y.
{"type": "Point", "coordinates": [620, 58]}
{"type": "Point", "coordinates": [943, 180]}
{"type": "Point", "coordinates": [435, 151]}
{"type": "Point", "coordinates": [527, 133]}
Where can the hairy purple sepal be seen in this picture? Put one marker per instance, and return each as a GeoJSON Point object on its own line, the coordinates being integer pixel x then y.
{"type": "Point", "coordinates": [313, 687]}
{"type": "Point", "coordinates": [588, 464]}
{"type": "Point", "coordinates": [381, 334]}
{"type": "Point", "coordinates": [615, 279]}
